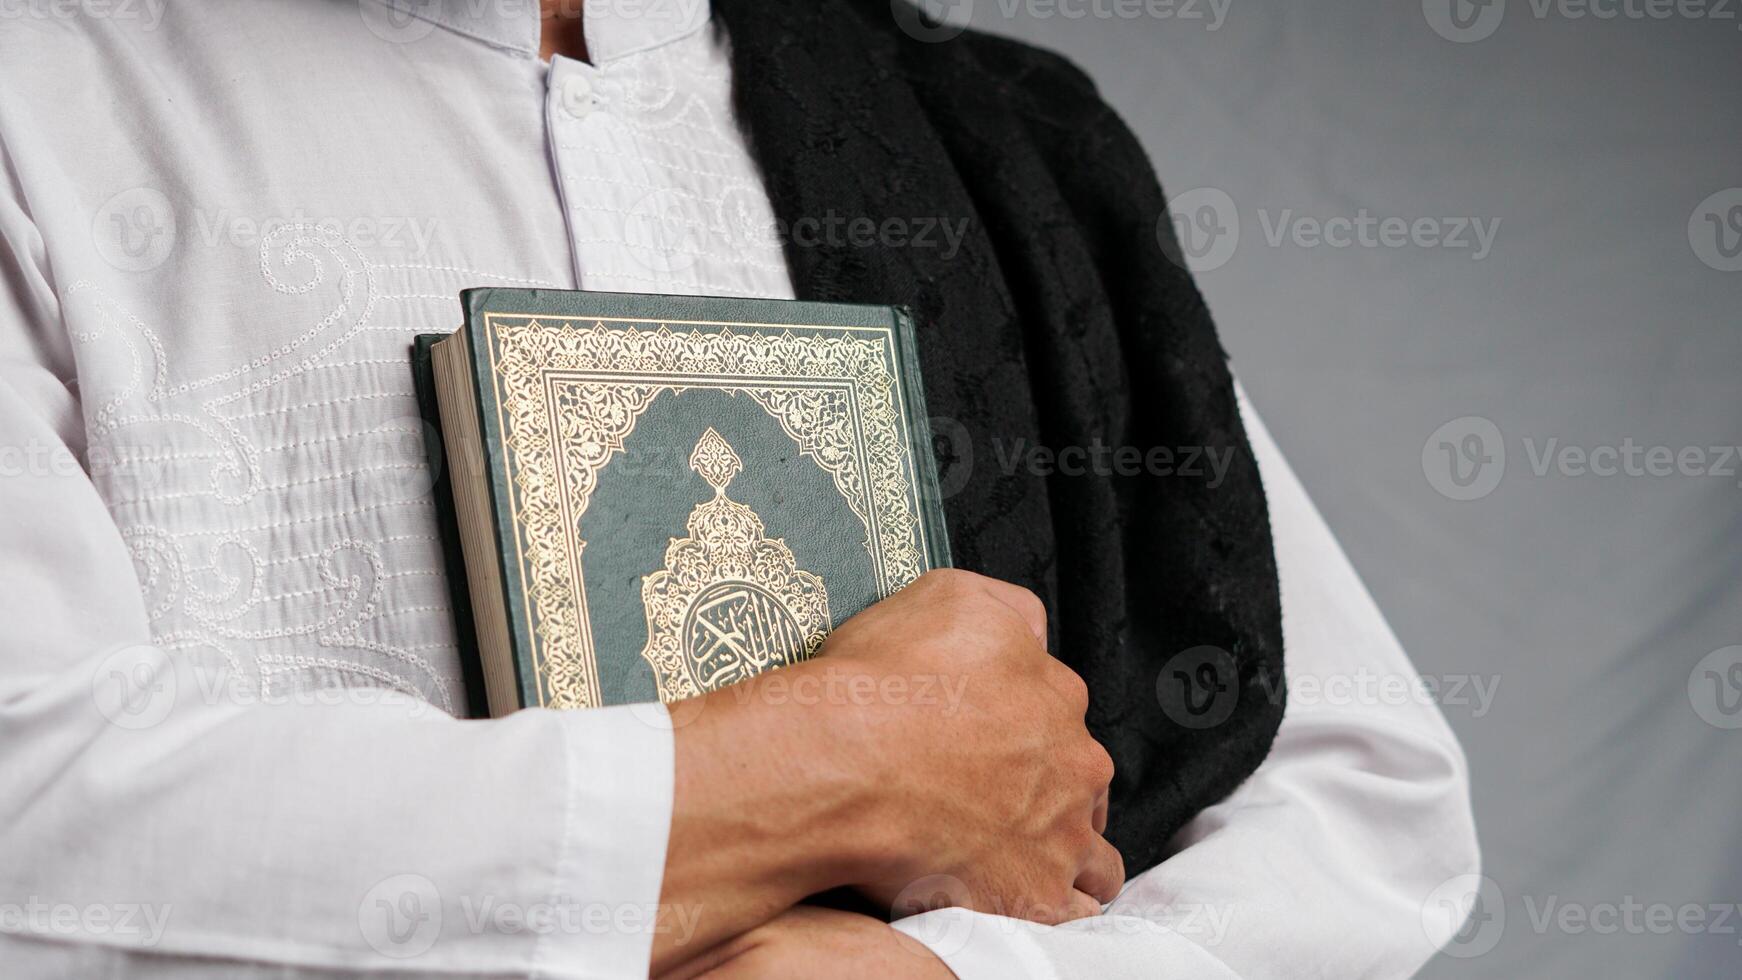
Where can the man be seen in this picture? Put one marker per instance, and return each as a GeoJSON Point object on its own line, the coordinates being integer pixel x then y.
{"type": "Point", "coordinates": [222, 223]}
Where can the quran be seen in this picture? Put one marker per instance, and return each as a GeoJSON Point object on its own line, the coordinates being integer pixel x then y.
{"type": "Point", "coordinates": [659, 496]}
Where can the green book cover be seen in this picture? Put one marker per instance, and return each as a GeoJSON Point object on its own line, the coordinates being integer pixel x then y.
{"type": "Point", "coordinates": [682, 491]}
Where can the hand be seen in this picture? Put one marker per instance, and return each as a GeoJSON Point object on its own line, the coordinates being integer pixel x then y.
{"type": "Point", "coordinates": [996, 802]}
{"type": "Point", "coordinates": [933, 754]}
{"type": "Point", "coordinates": [808, 942]}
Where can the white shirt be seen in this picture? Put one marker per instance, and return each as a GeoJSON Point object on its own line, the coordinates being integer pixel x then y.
{"type": "Point", "coordinates": [220, 225]}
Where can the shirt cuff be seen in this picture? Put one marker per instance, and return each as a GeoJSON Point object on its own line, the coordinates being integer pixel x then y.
{"type": "Point", "coordinates": [606, 888]}
{"type": "Point", "coordinates": [977, 946]}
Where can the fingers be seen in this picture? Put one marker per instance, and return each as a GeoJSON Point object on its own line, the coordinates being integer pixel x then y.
{"type": "Point", "coordinates": [1081, 906]}
{"type": "Point", "coordinates": [1104, 874]}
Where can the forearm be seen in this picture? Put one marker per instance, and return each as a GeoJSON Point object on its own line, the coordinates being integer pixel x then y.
{"type": "Point", "coordinates": [767, 811]}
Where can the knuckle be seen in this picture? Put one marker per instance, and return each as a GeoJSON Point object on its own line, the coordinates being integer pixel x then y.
{"type": "Point", "coordinates": [1029, 604]}
{"type": "Point", "coordinates": [1116, 863]}
{"type": "Point", "coordinates": [948, 581]}
{"type": "Point", "coordinates": [1078, 688]}
{"type": "Point", "coordinates": [1069, 683]}
{"type": "Point", "coordinates": [1098, 766]}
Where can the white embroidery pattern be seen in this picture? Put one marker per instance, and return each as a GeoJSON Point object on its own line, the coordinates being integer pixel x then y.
{"type": "Point", "coordinates": [287, 531]}
{"type": "Point", "coordinates": [660, 193]}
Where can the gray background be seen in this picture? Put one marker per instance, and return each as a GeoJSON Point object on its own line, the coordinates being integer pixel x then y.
{"type": "Point", "coordinates": [1591, 599]}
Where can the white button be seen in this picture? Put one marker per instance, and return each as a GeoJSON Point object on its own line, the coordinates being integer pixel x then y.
{"type": "Point", "coordinates": [577, 96]}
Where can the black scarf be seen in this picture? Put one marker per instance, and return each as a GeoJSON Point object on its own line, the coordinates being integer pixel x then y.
{"type": "Point", "coordinates": [1059, 323]}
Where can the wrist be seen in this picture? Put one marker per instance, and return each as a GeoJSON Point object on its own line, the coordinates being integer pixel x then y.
{"type": "Point", "coordinates": [787, 781]}
{"type": "Point", "coordinates": [858, 755]}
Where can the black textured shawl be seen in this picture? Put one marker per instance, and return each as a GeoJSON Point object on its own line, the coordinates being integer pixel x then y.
{"type": "Point", "coordinates": [1059, 323]}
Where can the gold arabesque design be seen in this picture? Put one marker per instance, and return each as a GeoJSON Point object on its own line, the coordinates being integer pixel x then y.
{"type": "Point", "coordinates": [730, 602]}
{"type": "Point", "coordinates": [570, 390]}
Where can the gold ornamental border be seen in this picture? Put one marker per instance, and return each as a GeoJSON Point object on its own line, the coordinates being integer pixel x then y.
{"type": "Point", "coordinates": [569, 390]}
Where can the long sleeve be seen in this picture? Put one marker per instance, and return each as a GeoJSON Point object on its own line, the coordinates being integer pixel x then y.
{"type": "Point", "coordinates": [1321, 863]}
{"type": "Point", "coordinates": [158, 820]}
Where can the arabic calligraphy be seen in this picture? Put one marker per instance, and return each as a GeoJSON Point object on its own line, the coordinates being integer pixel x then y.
{"type": "Point", "coordinates": [730, 602]}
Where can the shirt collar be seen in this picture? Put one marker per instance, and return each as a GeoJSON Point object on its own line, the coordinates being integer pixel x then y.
{"type": "Point", "coordinates": [614, 28]}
